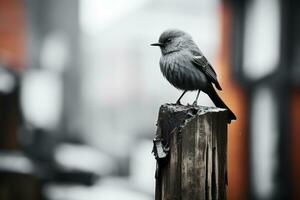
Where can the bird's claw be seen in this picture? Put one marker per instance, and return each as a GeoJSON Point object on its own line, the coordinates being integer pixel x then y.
{"type": "Point", "coordinates": [194, 103]}
{"type": "Point", "coordinates": [178, 103]}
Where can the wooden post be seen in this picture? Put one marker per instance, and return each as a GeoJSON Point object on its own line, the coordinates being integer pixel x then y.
{"type": "Point", "coordinates": [191, 149]}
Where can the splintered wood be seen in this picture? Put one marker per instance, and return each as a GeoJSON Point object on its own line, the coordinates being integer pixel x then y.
{"type": "Point", "coordinates": [194, 139]}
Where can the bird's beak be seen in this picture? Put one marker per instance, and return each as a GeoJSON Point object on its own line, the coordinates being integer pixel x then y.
{"type": "Point", "coordinates": [157, 44]}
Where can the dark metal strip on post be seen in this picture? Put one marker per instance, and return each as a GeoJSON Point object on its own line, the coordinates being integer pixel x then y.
{"type": "Point", "coordinates": [191, 151]}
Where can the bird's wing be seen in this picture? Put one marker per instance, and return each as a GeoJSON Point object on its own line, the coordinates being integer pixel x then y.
{"type": "Point", "coordinates": [203, 65]}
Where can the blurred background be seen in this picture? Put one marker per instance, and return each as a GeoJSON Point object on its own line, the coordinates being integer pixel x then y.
{"type": "Point", "coordinates": [80, 90]}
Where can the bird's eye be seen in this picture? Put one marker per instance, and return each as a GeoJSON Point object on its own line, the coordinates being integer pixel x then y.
{"type": "Point", "coordinates": [169, 40]}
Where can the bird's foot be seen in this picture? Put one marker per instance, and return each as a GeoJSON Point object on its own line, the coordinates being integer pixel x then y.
{"type": "Point", "coordinates": [194, 103]}
{"type": "Point", "coordinates": [178, 103]}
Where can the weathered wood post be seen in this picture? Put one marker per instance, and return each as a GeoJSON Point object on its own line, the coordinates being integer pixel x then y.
{"type": "Point", "coordinates": [190, 146]}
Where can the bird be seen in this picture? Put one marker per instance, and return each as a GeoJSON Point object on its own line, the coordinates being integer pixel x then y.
{"type": "Point", "coordinates": [184, 66]}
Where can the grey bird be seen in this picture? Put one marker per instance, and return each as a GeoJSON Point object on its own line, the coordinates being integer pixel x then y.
{"type": "Point", "coordinates": [186, 68]}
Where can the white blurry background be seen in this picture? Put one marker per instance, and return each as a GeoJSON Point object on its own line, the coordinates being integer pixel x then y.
{"type": "Point", "coordinates": [122, 87]}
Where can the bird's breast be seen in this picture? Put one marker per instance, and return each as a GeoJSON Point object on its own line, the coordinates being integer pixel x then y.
{"type": "Point", "coordinates": [179, 71]}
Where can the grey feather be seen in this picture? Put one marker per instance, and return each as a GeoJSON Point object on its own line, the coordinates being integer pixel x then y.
{"type": "Point", "coordinates": [203, 65]}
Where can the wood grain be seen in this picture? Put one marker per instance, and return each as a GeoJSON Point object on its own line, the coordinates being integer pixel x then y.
{"type": "Point", "coordinates": [196, 165]}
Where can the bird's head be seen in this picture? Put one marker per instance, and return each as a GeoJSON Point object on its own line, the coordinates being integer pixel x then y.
{"type": "Point", "coordinates": [173, 40]}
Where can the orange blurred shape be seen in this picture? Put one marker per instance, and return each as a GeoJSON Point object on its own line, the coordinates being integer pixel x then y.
{"type": "Point", "coordinates": [235, 98]}
{"type": "Point", "coordinates": [12, 33]}
{"type": "Point", "coordinates": [295, 142]}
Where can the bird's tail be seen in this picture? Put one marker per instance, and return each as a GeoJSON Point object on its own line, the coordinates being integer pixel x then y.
{"type": "Point", "coordinates": [219, 103]}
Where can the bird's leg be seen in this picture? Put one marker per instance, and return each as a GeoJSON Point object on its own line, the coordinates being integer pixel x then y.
{"type": "Point", "coordinates": [178, 101]}
{"type": "Point", "coordinates": [195, 102]}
